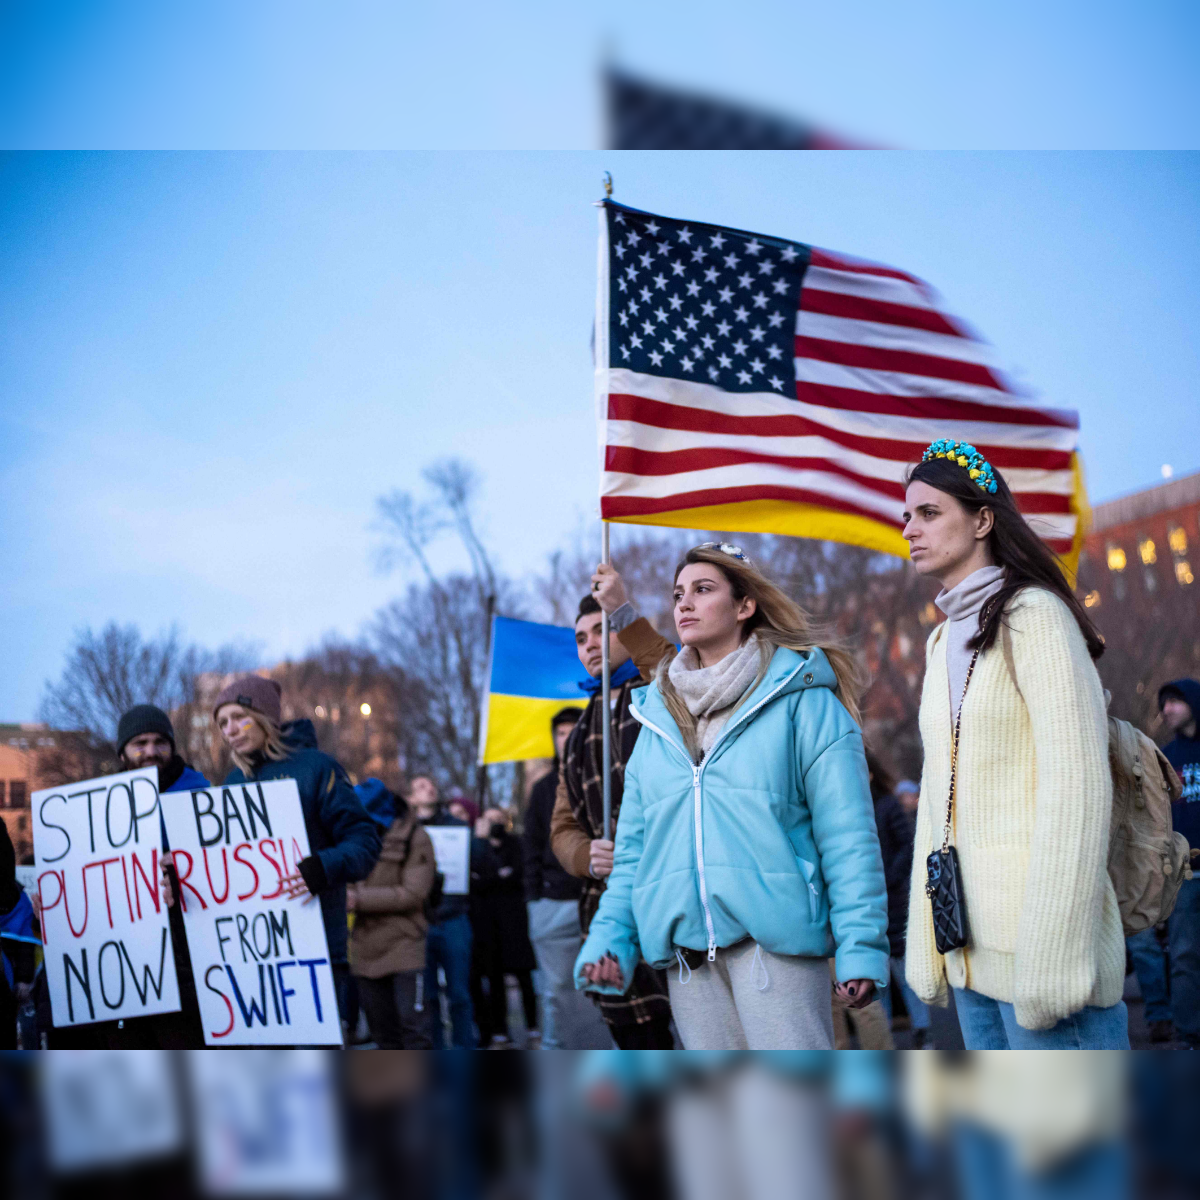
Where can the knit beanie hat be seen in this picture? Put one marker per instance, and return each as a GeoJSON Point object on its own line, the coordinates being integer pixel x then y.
{"type": "Point", "coordinates": [253, 692]}
{"type": "Point", "coordinates": [144, 718]}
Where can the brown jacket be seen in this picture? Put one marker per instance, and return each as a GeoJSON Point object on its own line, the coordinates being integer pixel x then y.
{"type": "Point", "coordinates": [389, 922]}
{"type": "Point", "coordinates": [568, 840]}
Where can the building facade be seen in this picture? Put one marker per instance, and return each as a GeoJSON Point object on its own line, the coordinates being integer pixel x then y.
{"type": "Point", "coordinates": [19, 746]}
{"type": "Point", "coordinates": [1137, 578]}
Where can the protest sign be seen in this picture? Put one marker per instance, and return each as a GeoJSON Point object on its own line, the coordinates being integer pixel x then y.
{"type": "Point", "coordinates": [260, 960]}
{"type": "Point", "coordinates": [266, 1123]}
{"type": "Point", "coordinates": [96, 846]}
{"type": "Point", "coordinates": [109, 1108]}
{"type": "Point", "coordinates": [452, 851]}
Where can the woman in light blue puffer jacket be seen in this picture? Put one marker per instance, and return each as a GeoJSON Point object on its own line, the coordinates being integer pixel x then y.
{"type": "Point", "coordinates": [746, 851]}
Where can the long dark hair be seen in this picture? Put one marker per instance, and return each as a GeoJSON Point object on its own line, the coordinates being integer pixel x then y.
{"type": "Point", "coordinates": [1026, 559]}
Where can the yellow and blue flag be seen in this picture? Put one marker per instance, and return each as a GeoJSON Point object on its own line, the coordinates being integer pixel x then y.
{"type": "Point", "coordinates": [533, 672]}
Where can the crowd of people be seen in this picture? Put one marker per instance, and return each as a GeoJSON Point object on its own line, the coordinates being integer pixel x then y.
{"type": "Point", "coordinates": [765, 883]}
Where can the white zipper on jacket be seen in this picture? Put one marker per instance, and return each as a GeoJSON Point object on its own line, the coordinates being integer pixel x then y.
{"type": "Point", "coordinates": [697, 773]}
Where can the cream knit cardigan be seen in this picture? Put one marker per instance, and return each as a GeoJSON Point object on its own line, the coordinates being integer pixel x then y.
{"type": "Point", "coordinates": [1032, 813]}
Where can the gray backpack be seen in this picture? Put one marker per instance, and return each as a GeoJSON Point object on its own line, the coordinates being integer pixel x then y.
{"type": "Point", "coordinates": [1147, 860]}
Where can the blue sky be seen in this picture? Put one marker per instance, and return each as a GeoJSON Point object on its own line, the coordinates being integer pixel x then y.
{"type": "Point", "coordinates": [212, 364]}
{"type": "Point", "coordinates": [299, 74]}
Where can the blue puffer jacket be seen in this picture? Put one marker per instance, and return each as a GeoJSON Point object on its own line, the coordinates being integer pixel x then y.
{"type": "Point", "coordinates": [771, 837]}
{"type": "Point", "coordinates": [342, 838]}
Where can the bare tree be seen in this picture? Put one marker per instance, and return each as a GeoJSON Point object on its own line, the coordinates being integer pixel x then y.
{"type": "Point", "coordinates": [106, 674]}
{"type": "Point", "coordinates": [436, 635]}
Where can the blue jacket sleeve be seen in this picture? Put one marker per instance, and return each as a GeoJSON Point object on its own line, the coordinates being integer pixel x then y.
{"type": "Point", "coordinates": [833, 767]}
{"type": "Point", "coordinates": [354, 835]}
{"type": "Point", "coordinates": [613, 927]}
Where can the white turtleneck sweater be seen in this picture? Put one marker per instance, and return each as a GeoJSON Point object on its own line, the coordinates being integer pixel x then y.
{"type": "Point", "coordinates": [961, 604]}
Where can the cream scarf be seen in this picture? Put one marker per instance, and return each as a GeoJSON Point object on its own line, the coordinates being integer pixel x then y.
{"type": "Point", "coordinates": [712, 693]}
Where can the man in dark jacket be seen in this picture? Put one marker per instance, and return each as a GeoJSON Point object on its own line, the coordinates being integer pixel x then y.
{"type": "Point", "coordinates": [1180, 705]}
{"type": "Point", "coordinates": [448, 943]}
{"type": "Point", "coordinates": [569, 1020]}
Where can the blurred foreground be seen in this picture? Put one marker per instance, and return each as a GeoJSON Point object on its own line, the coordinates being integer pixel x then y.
{"type": "Point", "coordinates": [605, 1125]}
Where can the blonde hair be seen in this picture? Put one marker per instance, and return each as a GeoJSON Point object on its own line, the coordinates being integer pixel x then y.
{"type": "Point", "coordinates": [274, 748]}
{"type": "Point", "coordinates": [778, 621]}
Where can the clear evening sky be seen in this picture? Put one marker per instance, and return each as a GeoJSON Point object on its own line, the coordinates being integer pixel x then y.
{"type": "Point", "coordinates": [213, 363]}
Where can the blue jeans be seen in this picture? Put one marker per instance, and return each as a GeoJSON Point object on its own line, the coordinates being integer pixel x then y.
{"type": "Point", "coordinates": [448, 945]}
{"type": "Point", "coordinates": [989, 1024]}
{"type": "Point", "coordinates": [1183, 941]}
{"type": "Point", "coordinates": [987, 1170]}
{"type": "Point", "coordinates": [918, 1010]}
{"type": "Point", "coordinates": [1150, 966]}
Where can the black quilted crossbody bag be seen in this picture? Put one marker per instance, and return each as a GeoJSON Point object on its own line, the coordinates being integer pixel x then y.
{"type": "Point", "coordinates": [943, 880]}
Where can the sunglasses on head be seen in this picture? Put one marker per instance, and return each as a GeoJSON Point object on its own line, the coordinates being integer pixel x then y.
{"type": "Point", "coordinates": [727, 548]}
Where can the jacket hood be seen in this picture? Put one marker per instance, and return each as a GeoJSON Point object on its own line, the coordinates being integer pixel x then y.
{"type": "Point", "coordinates": [378, 801]}
{"type": "Point", "coordinates": [789, 671]}
{"type": "Point", "coordinates": [1186, 689]}
{"type": "Point", "coordinates": [299, 735]}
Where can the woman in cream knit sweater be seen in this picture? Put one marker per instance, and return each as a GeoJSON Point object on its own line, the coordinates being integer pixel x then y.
{"type": "Point", "coordinates": [1044, 964]}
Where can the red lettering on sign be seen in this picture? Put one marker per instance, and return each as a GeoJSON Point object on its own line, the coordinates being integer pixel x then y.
{"type": "Point", "coordinates": [225, 863]}
{"type": "Point", "coordinates": [184, 876]}
{"type": "Point", "coordinates": [249, 866]}
{"type": "Point", "coordinates": [150, 881]}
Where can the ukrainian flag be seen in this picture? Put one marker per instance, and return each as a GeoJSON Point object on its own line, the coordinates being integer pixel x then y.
{"type": "Point", "coordinates": [533, 671]}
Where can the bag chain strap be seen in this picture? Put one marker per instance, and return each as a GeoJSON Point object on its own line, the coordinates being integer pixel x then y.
{"type": "Point", "coordinates": [954, 755]}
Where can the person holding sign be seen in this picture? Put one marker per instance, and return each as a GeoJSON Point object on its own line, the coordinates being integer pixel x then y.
{"type": "Point", "coordinates": [146, 738]}
{"type": "Point", "coordinates": [343, 840]}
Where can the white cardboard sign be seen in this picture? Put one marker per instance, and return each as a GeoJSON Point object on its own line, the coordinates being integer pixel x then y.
{"type": "Point", "coordinates": [267, 1123]}
{"type": "Point", "coordinates": [452, 852]}
{"type": "Point", "coordinates": [97, 846]}
{"type": "Point", "coordinates": [260, 960]}
{"type": "Point", "coordinates": [109, 1108]}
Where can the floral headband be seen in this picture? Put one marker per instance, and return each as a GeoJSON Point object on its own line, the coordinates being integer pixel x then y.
{"type": "Point", "coordinates": [727, 548]}
{"type": "Point", "coordinates": [964, 455]}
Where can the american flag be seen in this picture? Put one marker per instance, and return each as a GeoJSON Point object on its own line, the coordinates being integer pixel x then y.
{"type": "Point", "coordinates": [751, 383]}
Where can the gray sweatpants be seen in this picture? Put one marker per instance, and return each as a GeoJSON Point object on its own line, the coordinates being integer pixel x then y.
{"type": "Point", "coordinates": [751, 999]}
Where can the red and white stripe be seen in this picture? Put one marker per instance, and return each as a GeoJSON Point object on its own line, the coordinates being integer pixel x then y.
{"type": "Point", "coordinates": [881, 371]}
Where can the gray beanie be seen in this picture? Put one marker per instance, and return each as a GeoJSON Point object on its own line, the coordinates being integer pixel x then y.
{"type": "Point", "coordinates": [253, 692]}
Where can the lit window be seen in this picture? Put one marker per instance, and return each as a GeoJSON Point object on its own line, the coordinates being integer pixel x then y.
{"type": "Point", "coordinates": [320, 710]}
{"type": "Point", "coordinates": [1183, 572]}
{"type": "Point", "coordinates": [1177, 540]}
{"type": "Point", "coordinates": [928, 614]}
{"type": "Point", "coordinates": [1116, 558]}
{"type": "Point", "coordinates": [1091, 600]}
{"type": "Point", "coordinates": [1148, 551]}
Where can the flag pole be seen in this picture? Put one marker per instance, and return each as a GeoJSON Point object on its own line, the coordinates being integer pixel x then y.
{"type": "Point", "coordinates": [605, 696]}
{"type": "Point", "coordinates": [606, 557]}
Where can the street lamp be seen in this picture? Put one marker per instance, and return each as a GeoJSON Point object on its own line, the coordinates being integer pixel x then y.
{"type": "Point", "coordinates": [365, 709]}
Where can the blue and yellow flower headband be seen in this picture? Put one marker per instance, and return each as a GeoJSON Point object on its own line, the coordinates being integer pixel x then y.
{"type": "Point", "coordinates": [964, 455]}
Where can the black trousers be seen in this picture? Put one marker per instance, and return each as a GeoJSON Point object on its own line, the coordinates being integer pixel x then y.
{"type": "Point", "coordinates": [491, 1006]}
{"type": "Point", "coordinates": [391, 1007]}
